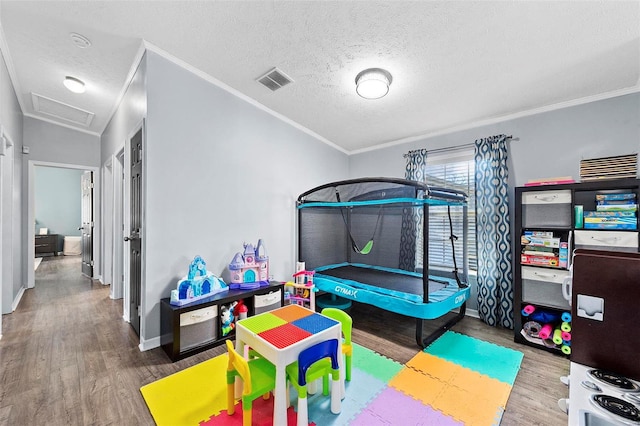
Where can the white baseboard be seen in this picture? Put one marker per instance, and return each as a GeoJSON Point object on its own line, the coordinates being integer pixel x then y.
{"type": "Point", "coordinates": [472, 313]}
{"type": "Point", "coordinates": [146, 345]}
{"type": "Point", "coordinates": [17, 299]}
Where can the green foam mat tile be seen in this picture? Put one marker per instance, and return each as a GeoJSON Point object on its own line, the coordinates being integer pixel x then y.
{"type": "Point", "coordinates": [374, 364]}
{"type": "Point", "coordinates": [486, 358]}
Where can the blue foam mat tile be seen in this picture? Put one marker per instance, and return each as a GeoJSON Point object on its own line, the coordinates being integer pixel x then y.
{"type": "Point", "coordinates": [358, 393]}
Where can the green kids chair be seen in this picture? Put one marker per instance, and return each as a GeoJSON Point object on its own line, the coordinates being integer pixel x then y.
{"type": "Point", "coordinates": [347, 324]}
{"type": "Point", "coordinates": [315, 362]}
{"type": "Point", "coordinates": [258, 377]}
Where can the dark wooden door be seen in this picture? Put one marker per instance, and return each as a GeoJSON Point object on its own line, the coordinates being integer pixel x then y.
{"type": "Point", "coordinates": [135, 240]}
{"type": "Point", "coordinates": [87, 223]}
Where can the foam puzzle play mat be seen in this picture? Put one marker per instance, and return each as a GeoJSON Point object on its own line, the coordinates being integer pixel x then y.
{"type": "Point", "coordinates": [457, 380]}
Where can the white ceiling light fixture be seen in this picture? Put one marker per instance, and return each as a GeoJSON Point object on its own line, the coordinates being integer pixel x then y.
{"type": "Point", "coordinates": [373, 83]}
{"type": "Point", "coordinates": [74, 84]}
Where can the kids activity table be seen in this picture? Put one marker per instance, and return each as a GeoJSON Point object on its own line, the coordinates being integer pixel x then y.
{"type": "Point", "coordinates": [279, 336]}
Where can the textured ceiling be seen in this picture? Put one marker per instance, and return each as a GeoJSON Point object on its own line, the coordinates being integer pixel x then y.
{"type": "Point", "coordinates": [453, 63]}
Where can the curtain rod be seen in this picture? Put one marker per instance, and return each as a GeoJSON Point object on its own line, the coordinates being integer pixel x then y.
{"type": "Point", "coordinates": [451, 148]}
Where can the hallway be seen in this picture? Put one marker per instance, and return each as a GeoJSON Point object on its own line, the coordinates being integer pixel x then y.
{"type": "Point", "coordinates": [68, 358]}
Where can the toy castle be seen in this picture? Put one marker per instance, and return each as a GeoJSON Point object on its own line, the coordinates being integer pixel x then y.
{"type": "Point", "coordinates": [250, 269]}
{"type": "Point", "coordinates": [198, 284]}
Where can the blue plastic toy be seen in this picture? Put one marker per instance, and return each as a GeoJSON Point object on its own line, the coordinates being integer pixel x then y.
{"type": "Point", "coordinates": [198, 284]}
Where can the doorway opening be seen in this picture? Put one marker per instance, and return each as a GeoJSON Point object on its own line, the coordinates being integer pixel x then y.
{"type": "Point", "coordinates": [58, 224]}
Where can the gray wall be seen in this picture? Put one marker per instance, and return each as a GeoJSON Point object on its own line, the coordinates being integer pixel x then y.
{"type": "Point", "coordinates": [130, 112]}
{"type": "Point", "coordinates": [50, 144]}
{"type": "Point", "coordinates": [545, 145]}
{"type": "Point", "coordinates": [12, 270]}
{"type": "Point", "coordinates": [58, 200]}
{"type": "Point", "coordinates": [219, 172]}
{"type": "Point", "coordinates": [56, 144]}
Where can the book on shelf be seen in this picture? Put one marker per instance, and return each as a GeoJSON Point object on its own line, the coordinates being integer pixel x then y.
{"type": "Point", "coordinates": [617, 207]}
{"type": "Point", "coordinates": [526, 259]}
{"type": "Point", "coordinates": [550, 181]}
{"type": "Point", "coordinates": [540, 253]}
{"type": "Point", "coordinates": [615, 202]}
{"type": "Point", "coordinates": [529, 240]}
{"type": "Point", "coordinates": [542, 234]}
{"type": "Point", "coordinates": [616, 196]}
{"type": "Point", "coordinates": [611, 226]}
{"type": "Point", "coordinates": [612, 220]}
{"type": "Point", "coordinates": [609, 214]}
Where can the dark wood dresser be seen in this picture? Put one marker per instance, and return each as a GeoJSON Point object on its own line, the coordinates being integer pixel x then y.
{"type": "Point", "coordinates": [46, 244]}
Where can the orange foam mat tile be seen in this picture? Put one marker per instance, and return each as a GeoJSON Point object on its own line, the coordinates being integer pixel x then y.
{"type": "Point", "coordinates": [462, 377]}
{"type": "Point", "coordinates": [467, 406]}
{"type": "Point", "coordinates": [418, 386]}
{"type": "Point", "coordinates": [493, 390]}
{"type": "Point", "coordinates": [433, 366]}
{"type": "Point", "coordinates": [456, 391]}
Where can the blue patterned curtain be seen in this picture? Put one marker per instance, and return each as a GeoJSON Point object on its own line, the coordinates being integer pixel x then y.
{"type": "Point", "coordinates": [411, 218]}
{"type": "Point", "coordinates": [493, 232]}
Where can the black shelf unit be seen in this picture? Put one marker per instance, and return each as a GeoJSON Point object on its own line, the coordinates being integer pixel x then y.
{"type": "Point", "coordinates": [200, 321]}
{"type": "Point", "coordinates": [563, 200]}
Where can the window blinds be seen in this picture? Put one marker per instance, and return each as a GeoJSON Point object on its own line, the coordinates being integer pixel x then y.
{"type": "Point", "coordinates": [454, 169]}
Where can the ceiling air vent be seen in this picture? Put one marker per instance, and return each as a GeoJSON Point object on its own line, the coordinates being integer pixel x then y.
{"type": "Point", "coordinates": [622, 166]}
{"type": "Point", "coordinates": [274, 79]}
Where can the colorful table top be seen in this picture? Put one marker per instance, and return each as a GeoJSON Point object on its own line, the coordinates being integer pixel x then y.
{"type": "Point", "coordinates": [286, 326]}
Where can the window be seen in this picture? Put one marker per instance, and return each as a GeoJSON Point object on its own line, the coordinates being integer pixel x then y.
{"type": "Point", "coordinates": [453, 169]}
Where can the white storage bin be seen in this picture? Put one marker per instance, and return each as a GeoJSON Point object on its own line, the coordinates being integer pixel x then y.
{"type": "Point", "coordinates": [198, 327]}
{"type": "Point", "coordinates": [544, 287]}
{"type": "Point", "coordinates": [606, 240]}
{"type": "Point", "coordinates": [267, 302]}
{"type": "Point", "coordinates": [546, 208]}
{"type": "Point", "coordinates": [72, 246]}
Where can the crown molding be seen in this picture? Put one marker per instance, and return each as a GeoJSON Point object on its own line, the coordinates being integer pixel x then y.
{"type": "Point", "coordinates": [4, 49]}
{"type": "Point", "coordinates": [495, 120]}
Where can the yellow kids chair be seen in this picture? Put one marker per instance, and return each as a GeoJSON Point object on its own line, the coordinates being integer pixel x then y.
{"type": "Point", "coordinates": [315, 362]}
{"type": "Point", "coordinates": [347, 324]}
{"type": "Point", "coordinates": [258, 376]}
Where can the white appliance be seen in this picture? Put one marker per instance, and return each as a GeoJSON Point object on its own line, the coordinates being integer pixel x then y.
{"type": "Point", "coordinates": [600, 398]}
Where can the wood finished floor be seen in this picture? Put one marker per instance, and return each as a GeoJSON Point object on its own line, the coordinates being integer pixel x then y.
{"type": "Point", "coordinates": [68, 358]}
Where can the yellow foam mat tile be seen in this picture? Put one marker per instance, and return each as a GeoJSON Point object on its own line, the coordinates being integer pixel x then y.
{"type": "Point", "coordinates": [200, 392]}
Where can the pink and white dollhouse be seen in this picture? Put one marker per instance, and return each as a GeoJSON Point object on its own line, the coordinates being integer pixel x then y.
{"type": "Point", "coordinates": [250, 269]}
